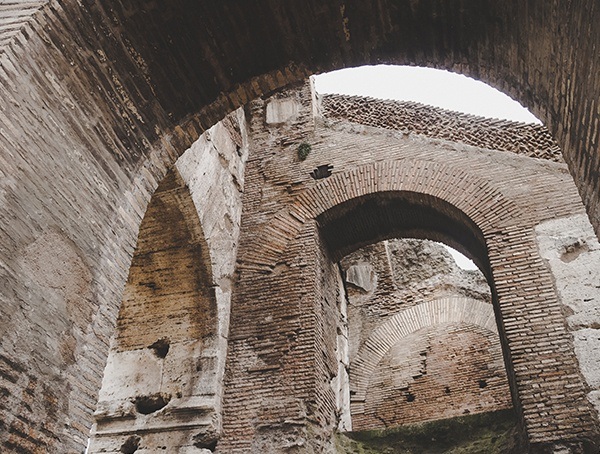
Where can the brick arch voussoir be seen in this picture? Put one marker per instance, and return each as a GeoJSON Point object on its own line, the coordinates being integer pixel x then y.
{"type": "Point", "coordinates": [527, 303]}
{"type": "Point", "coordinates": [409, 321]}
{"type": "Point", "coordinates": [468, 193]}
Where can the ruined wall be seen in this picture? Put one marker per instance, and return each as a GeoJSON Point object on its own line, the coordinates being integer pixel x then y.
{"type": "Point", "coordinates": [162, 386]}
{"type": "Point", "coordinates": [447, 368]}
{"type": "Point", "coordinates": [287, 201]}
{"type": "Point", "coordinates": [402, 274]}
{"type": "Point", "coordinates": [99, 98]}
{"type": "Point", "coordinates": [413, 118]}
{"type": "Point", "coordinates": [159, 51]}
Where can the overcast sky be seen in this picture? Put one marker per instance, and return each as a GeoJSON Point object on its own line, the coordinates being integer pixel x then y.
{"type": "Point", "coordinates": [425, 85]}
{"type": "Point", "coordinates": [428, 86]}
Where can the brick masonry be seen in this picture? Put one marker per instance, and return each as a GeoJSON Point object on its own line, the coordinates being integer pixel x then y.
{"type": "Point", "coordinates": [490, 207]}
{"type": "Point", "coordinates": [422, 330]}
{"type": "Point", "coordinates": [439, 356]}
{"type": "Point", "coordinates": [99, 99]}
{"type": "Point", "coordinates": [414, 118]}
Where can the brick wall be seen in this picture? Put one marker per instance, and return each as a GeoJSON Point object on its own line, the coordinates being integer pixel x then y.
{"type": "Point", "coordinates": [422, 337]}
{"type": "Point", "coordinates": [457, 370]}
{"type": "Point", "coordinates": [98, 99]}
{"type": "Point", "coordinates": [414, 118]}
{"type": "Point", "coordinates": [493, 198]}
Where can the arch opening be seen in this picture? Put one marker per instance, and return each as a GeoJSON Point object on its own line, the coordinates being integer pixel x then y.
{"type": "Point", "coordinates": [500, 40]}
{"type": "Point", "coordinates": [419, 343]}
{"type": "Point", "coordinates": [401, 214]}
{"type": "Point", "coordinates": [433, 87]}
{"type": "Point", "coordinates": [160, 372]}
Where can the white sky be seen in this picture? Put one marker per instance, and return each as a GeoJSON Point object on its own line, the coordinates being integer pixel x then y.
{"type": "Point", "coordinates": [428, 86]}
{"type": "Point", "coordinates": [425, 85]}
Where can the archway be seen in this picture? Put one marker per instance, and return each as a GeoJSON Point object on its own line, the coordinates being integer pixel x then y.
{"type": "Point", "coordinates": [368, 202]}
{"type": "Point", "coordinates": [163, 368]}
{"type": "Point", "coordinates": [472, 316]}
{"type": "Point", "coordinates": [104, 96]}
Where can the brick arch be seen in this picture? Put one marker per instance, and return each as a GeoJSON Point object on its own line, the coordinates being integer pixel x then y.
{"type": "Point", "coordinates": [106, 88]}
{"type": "Point", "coordinates": [406, 322]}
{"type": "Point", "coordinates": [525, 300]}
{"type": "Point", "coordinates": [471, 195]}
{"type": "Point", "coordinates": [172, 68]}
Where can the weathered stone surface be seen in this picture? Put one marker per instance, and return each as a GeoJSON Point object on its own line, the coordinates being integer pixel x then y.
{"type": "Point", "coordinates": [287, 320]}
{"type": "Point", "coordinates": [362, 276]}
{"type": "Point", "coordinates": [99, 98]}
{"type": "Point", "coordinates": [165, 368]}
{"type": "Point", "coordinates": [414, 118]}
{"type": "Point", "coordinates": [573, 253]}
{"type": "Point", "coordinates": [419, 350]}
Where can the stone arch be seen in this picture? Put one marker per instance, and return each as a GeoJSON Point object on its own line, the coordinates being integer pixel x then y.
{"type": "Point", "coordinates": [162, 362]}
{"type": "Point", "coordinates": [446, 310]}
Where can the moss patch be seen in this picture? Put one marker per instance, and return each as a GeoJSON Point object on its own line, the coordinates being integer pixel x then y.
{"type": "Point", "coordinates": [488, 433]}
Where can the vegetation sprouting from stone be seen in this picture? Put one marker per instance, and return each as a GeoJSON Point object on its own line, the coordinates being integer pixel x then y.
{"type": "Point", "coordinates": [304, 150]}
{"type": "Point", "coordinates": [490, 433]}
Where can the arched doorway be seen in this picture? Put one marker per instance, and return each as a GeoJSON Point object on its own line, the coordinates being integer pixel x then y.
{"type": "Point", "coordinates": [162, 375]}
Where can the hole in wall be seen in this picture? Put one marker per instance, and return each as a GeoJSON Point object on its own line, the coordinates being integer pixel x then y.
{"type": "Point", "coordinates": [207, 440]}
{"type": "Point", "coordinates": [410, 397]}
{"type": "Point", "coordinates": [321, 172]}
{"type": "Point", "coordinates": [482, 383]}
{"type": "Point", "coordinates": [160, 347]}
{"type": "Point", "coordinates": [131, 445]}
{"type": "Point", "coordinates": [573, 250]}
{"type": "Point", "coordinates": [150, 404]}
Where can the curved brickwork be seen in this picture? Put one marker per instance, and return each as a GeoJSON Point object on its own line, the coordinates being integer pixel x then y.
{"type": "Point", "coordinates": [469, 194]}
{"type": "Point", "coordinates": [125, 49]}
{"type": "Point", "coordinates": [98, 99]}
{"type": "Point", "coordinates": [409, 117]}
{"type": "Point", "coordinates": [529, 307]}
{"type": "Point", "coordinates": [436, 360]}
{"type": "Point", "coordinates": [429, 313]}
{"type": "Point", "coordinates": [536, 341]}
{"type": "Point", "coordinates": [284, 312]}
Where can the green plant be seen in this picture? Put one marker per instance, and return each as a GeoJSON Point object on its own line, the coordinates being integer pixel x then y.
{"type": "Point", "coordinates": [304, 150]}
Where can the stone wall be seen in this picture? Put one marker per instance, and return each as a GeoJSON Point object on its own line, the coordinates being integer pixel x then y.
{"type": "Point", "coordinates": [162, 386]}
{"type": "Point", "coordinates": [573, 254]}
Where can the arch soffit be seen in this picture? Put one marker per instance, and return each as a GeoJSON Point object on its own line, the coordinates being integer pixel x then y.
{"type": "Point", "coordinates": [409, 321]}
